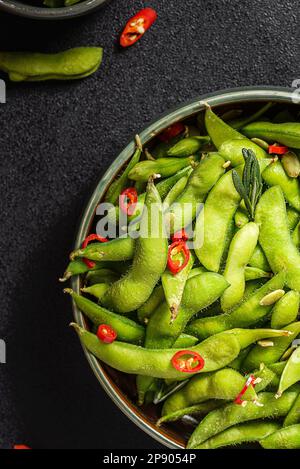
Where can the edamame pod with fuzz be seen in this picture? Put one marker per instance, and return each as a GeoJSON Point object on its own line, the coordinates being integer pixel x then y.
{"type": "Point", "coordinates": [119, 249]}
{"type": "Point", "coordinates": [149, 262]}
{"type": "Point", "coordinates": [284, 438]}
{"type": "Point", "coordinates": [269, 355]}
{"type": "Point", "coordinates": [249, 313]}
{"type": "Point", "coordinates": [101, 276]}
{"type": "Point", "coordinates": [150, 306]}
{"type": "Point", "coordinates": [293, 416]}
{"type": "Point", "coordinates": [176, 191]}
{"type": "Point", "coordinates": [231, 414]}
{"type": "Point", "coordinates": [259, 259]}
{"type": "Point", "coordinates": [293, 217]}
{"type": "Point", "coordinates": [240, 251]}
{"type": "Point", "coordinates": [252, 273]}
{"type": "Point", "coordinates": [71, 64]}
{"type": "Point", "coordinates": [244, 433]}
{"type": "Point", "coordinates": [165, 167]}
{"type": "Point", "coordinates": [274, 175]}
{"type": "Point", "coordinates": [217, 352]}
{"type": "Point", "coordinates": [291, 372]}
{"type": "Point", "coordinates": [187, 146]}
{"type": "Point", "coordinates": [97, 290]}
{"type": "Point", "coordinates": [218, 130]}
{"type": "Point", "coordinates": [275, 237]}
{"type": "Point", "coordinates": [287, 133]}
{"type": "Point", "coordinates": [285, 310]}
{"type": "Point", "coordinates": [231, 150]}
{"type": "Point", "coordinates": [77, 267]}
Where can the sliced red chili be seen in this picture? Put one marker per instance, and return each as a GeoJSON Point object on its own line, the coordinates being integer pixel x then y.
{"type": "Point", "coordinates": [180, 236]}
{"type": "Point", "coordinates": [249, 382]}
{"type": "Point", "coordinates": [21, 447]}
{"type": "Point", "coordinates": [128, 200]}
{"type": "Point", "coordinates": [188, 365]}
{"type": "Point", "coordinates": [137, 26]}
{"type": "Point", "coordinates": [88, 239]}
{"type": "Point", "coordinates": [277, 149]}
{"type": "Point", "coordinates": [171, 132]}
{"type": "Point", "coordinates": [106, 334]}
{"type": "Point", "coordinates": [175, 265]}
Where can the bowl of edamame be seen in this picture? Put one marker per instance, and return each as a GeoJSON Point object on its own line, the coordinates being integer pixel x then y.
{"type": "Point", "coordinates": [192, 329]}
{"type": "Point", "coordinates": [50, 9]}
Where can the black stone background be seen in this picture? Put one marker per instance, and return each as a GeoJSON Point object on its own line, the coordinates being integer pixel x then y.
{"type": "Point", "coordinates": [56, 139]}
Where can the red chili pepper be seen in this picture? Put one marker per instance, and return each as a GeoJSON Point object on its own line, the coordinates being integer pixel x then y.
{"type": "Point", "coordinates": [171, 132]}
{"type": "Point", "coordinates": [175, 248]}
{"type": "Point", "coordinates": [180, 236]}
{"type": "Point", "coordinates": [249, 382]}
{"type": "Point", "coordinates": [106, 334]}
{"type": "Point", "coordinates": [21, 447]}
{"type": "Point", "coordinates": [128, 200]}
{"type": "Point", "coordinates": [137, 26]}
{"type": "Point", "coordinates": [88, 239]}
{"type": "Point", "coordinates": [187, 365]}
{"type": "Point", "coordinates": [277, 149]}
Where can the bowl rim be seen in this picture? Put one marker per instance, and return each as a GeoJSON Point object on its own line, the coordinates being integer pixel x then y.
{"type": "Point", "coordinates": [42, 13]}
{"type": "Point", "coordinates": [227, 96]}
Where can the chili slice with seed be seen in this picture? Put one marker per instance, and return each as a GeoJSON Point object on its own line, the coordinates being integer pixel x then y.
{"type": "Point", "coordinates": [106, 334]}
{"type": "Point", "coordinates": [137, 26]}
{"type": "Point", "coordinates": [277, 149]}
{"type": "Point", "coordinates": [187, 365]}
{"type": "Point", "coordinates": [249, 382]}
{"type": "Point", "coordinates": [175, 248]}
{"type": "Point", "coordinates": [180, 236]}
{"type": "Point", "coordinates": [128, 200]}
{"type": "Point", "coordinates": [88, 239]}
{"type": "Point", "coordinates": [171, 132]}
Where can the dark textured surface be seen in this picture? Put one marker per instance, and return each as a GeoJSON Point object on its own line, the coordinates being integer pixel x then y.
{"type": "Point", "coordinates": [56, 140]}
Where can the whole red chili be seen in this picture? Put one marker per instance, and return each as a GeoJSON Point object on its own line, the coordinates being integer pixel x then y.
{"type": "Point", "coordinates": [106, 334]}
{"type": "Point", "coordinates": [88, 239]}
{"type": "Point", "coordinates": [180, 236]}
{"type": "Point", "coordinates": [178, 247]}
{"type": "Point", "coordinates": [21, 447]}
{"type": "Point", "coordinates": [171, 132]}
{"type": "Point", "coordinates": [277, 149]}
{"type": "Point", "coordinates": [137, 26]}
{"type": "Point", "coordinates": [189, 365]}
{"type": "Point", "coordinates": [250, 381]}
{"type": "Point", "coordinates": [128, 200]}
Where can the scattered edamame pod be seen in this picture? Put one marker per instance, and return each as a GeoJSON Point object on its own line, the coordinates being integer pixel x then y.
{"type": "Point", "coordinates": [71, 64]}
{"type": "Point", "coordinates": [284, 438]}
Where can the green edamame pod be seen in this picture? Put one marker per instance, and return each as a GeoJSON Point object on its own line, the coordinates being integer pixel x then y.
{"type": "Point", "coordinates": [270, 355]}
{"type": "Point", "coordinates": [240, 252]}
{"type": "Point", "coordinates": [216, 352]}
{"type": "Point", "coordinates": [188, 146]}
{"type": "Point", "coordinates": [275, 237]}
{"type": "Point", "coordinates": [173, 286]}
{"type": "Point", "coordinates": [200, 182]}
{"type": "Point", "coordinates": [285, 310]}
{"type": "Point", "coordinates": [176, 191]}
{"type": "Point", "coordinates": [77, 267]}
{"type": "Point", "coordinates": [296, 236]}
{"type": "Point", "coordinates": [287, 133]}
{"type": "Point", "coordinates": [218, 130]}
{"type": "Point", "coordinates": [161, 149]}
{"type": "Point", "coordinates": [217, 216]}
{"type": "Point", "coordinates": [284, 438]}
{"type": "Point", "coordinates": [291, 164]}
{"type": "Point", "coordinates": [165, 167]}
{"type": "Point", "coordinates": [259, 260]}
{"type": "Point", "coordinates": [101, 276]}
{"type": "Point", "coordinates": [150, 306]}
{"type": "Point", "coordinates": [232, 414]}
{"type": "Point", "coordinates": [149, 262]}
{"type": "Point", "coordinates": [126, 329]}
{"type": "Point", "coordinates": [241, 217]}
{"type": "Point", "coordinates": [117, 186]}
{"type": "Point", "coordinates": [231, 150]}
{"type": "Point", "coordinates": [275, 175]}
{"type": "Point", "coordinates": [293, 217]}
{"type": "Point", "coordinates": [185, 340]}
{"type": "Point", "coordinates": [244, 433]}
{"type": "Point", "coordinates": [200, 409]}
{"type": "Point", "coordinates": [277, 367]}
{"type": "Point", "coordinates": [253, 273]}
{"type": "Point", "coordinates": [68, 65]}
{"type": "Point", "coordinates": [97, 290]}
{"type": "Point", "coordinates": [249, 313]}
{"type": "Point", "coordinates": [291, 372]}
{"type": "Point", "coordinates": [293, 416]}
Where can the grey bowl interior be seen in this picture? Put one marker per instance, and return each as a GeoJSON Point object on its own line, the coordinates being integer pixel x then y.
{"type": "Point", "coordinates": [115, 383]}
{"type": "Point", "coordinates": [44, 13]}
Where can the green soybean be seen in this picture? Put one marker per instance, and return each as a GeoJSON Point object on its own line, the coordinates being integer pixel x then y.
{"type": "Point", "coordinates": [231, 150]}
{"type": "Point", "coordinates": [101, 276]}
{"type": "Point", "coordinates": [97, 290]}
{"type": "Point", "coordinates": [253, 273]}
{"type": "Point", "coordinates": [165, 167]}
{"type": "Point", "coordinates": [259, 260]}
{"type": "Point", "coordinates": [187, 146]}
{"type": "Point", "coordinates": [150, 305]}
{"type": "Point", "coordinates": [291, 372]}
{"type": "Point", "coordinates": [71, 64]}
{"type": "Point", "coordinates": [176, 191]}
{"type": "Point", "coordinates": [287, 133]}
{"type": "Point", "coordinates": [274, 175]}
{"type": "Point", "coordinates": [218, 130]}
{"type": "Point", "coordinates": [285, 310]}
{"type": "Point", "coordinates": [293, 416]}
{"type": "Point", "coordinates": [119, 249]}
{"type": "Point", "coordinates": [284, 438]}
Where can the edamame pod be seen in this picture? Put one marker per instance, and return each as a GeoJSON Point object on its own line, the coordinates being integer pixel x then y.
{"type": "Point", "coordinates": [275, 237]}
{"type": "Point", "coordinates": [231, 150]}
{"type": "Point", "coordinates": [176, 191]}
{"type": "Point", "coordinates": [119, 249]}
{"type": "Point", "coordinates": [291, 372]}
{"type": "Point", "coordinates": [101, 276]}
{"type": "Point", "coordinates": [247, 314]}
{"type": "Point", "coordinates": [291, 164]}
{"type": "Point", "coordinates": [160, 150]}
{"type": "Point", "coordinates": [269, 355]}
{"type": "Point", "coordinates": [240, 252]}
{"type": "Point", "coordinates": [216, 352]}
{"type": "Point", "coordinates": [253, 273]}
{"type": "Point", "coordinates": [287, 133]}
{"type": "Point", "coordinates": [202, 408]}
{"type": "Point", "coordinates": [285, 310]}
{"type": "Point", "coordinates": [71, 64]}
{"type": "Point", "coordinates": [296, 236]}
{"type": "Point", "coordinates": [77, 267]}
{"type": "Point", "coordinates": [274, 175]}
{"type": "Point", "coordinates": [149, 262]}
{"type": "Point", "coordinates": [187, 146]}
{"type": "Point", "coordinates": [232, 414]}
{"type": "Point", "coordinates": [218, 130]}
{"type": "Point", "coordinates": [293, 416]}
{"type": "Point", "coordinates": [293, 217]}
{"type": "Point", "coordinates": [241, 217]}
{"type": "Point", "coordinates": [165, 167]}
{"type": "Point", "coordinates": [284, 438]}
{"type": "Point", "coordinates": [97, 290]}
{"type": "Point", "coordinates": [150, 306]}
{"type": "Point", "coordinates": [244, 433]}
{"type": "Point", "coordinates": [259, 260]}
